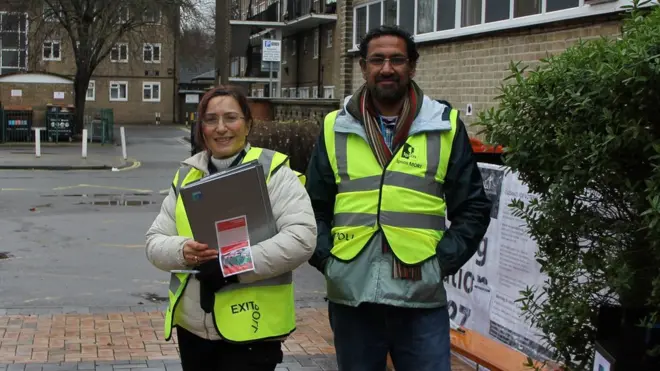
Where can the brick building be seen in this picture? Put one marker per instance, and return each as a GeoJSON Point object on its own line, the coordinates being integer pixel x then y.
{"type": "Point", "coordinates": [466, 45]}
{"type": "Point", "coordinates": [137, 79]}
{"type": "Point", "coordinates": [306, 28]}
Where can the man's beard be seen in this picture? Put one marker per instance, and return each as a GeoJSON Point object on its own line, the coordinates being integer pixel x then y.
{"type": "Point", "coordinates": [388, 96]}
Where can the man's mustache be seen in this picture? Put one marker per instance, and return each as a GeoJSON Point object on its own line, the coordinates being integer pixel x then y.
{"type": "Point", "coordinates": [387, 78]}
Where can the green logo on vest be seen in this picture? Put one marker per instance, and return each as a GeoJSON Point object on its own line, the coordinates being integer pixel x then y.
{"type": "Point", "coordinates": [408, 152]}
{"type": "Point", "coordinates": [245, 307]}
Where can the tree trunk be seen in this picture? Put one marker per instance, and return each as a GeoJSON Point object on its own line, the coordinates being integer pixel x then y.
{"type": "Point", "coordinates": [80, 86]}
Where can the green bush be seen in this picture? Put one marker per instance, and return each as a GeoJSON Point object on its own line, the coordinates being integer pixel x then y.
{"type": "Point", "coordinates": [583, 132]}
{"type": "Point", "coordinates": [294, 138]}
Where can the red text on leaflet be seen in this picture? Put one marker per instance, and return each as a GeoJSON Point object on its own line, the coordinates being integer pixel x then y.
{"type": "Point", "coordinates": [231, 224]}
{"type": "Point", "coordinates": [235, 246]}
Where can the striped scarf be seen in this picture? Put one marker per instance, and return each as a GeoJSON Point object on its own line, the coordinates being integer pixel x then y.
{"type": "Point", "coordinates": [383, 154]}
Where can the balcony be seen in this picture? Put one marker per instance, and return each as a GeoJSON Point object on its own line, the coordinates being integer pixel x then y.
{"type": "Point", "coordinates": [302, 15]}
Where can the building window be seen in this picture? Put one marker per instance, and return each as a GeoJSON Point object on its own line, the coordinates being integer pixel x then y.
{"type": "Point", "coordinates": [13, 42]}
{"type": "Point", "coordinates": [151, 53]}
{"type": "Point", "coordinates": [151, 92]}
{"type": "Point", "coordinates": [118, 91]}
{"type": "Point", "coordinates": [438, 19]}
{"type": "Point", "coordinates": [305, 45]}
{"type": "Point", "coordinates": [293, 93]}
{"type": "Point", "coordinates": [329, 39]}
{"type": "Point", "coordinates": [316, 43]}
{"type": "Point", "coordinates": [119, 53]}
{"type": "Point", "coordinates": [53, 12]}
{"type": "Point", "coordinates": [52, 51]}
{"type": "Point", "coordinates": [285, 93]}
{"type": "Point", "coordinates": [260, 93]}
{"type": "Point", "coordinates": [315, 91]}
{"type": "Point", "coordinates": [285, 44]}
{"type": "Point", "coordinates": [91, 91]}
{"type": "Point", "coordinates": [304, 93]}
{"type": "Point", "coordinates": [328, 92]}
{"type": "Point", "coordinates": [123, 14]}
{"type": "Point", "coordinates": [151, 16]}
{"type": "Point", "coordinates": [294, 47]}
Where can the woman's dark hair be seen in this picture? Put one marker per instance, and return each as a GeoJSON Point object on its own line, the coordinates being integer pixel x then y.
{"type": "Point", "coordinates": [220, 91]}
{"type": "Point", "coordinates": [396, 31]}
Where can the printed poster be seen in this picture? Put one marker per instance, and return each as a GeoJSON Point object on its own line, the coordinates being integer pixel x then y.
{"type": "Point", "coordinates": [482, 295]}
{"type": "Point", "coordinates": [234, 249]}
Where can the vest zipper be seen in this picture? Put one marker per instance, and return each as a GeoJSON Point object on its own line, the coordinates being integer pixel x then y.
{"type": "Point", "coordinates": [382, 180]}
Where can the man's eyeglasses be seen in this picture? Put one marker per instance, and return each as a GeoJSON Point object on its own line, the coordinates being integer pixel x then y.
{"type": "Point", "coordinates": [394, 61]}
{"type": "Point", "coordinates": [227, 119]}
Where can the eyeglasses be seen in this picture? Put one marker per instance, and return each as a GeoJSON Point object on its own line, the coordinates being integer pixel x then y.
{"type": "Point", "coordinates": [394, 61]}
{"type": "Point", "coordinates": [227, 119]}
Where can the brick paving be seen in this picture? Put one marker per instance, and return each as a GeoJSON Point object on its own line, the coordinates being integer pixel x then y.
{"type": "Point", "coordinates": [108, 339]}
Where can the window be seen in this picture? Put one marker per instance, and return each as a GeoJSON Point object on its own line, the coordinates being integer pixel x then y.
{"type": "Point", "coordinates": [151, 16]}
{"type": "Point", "coordinates": [304, 93]}
{"type": "Point", "coordinates": [118, 91]}
{"type": "Point", "coordinates": [294, 47]}
{"type": "Point", "coordinates": [91, 91]}
{"type": "Point", "coordinates": [123, 14]}
{"type": "Point", "coordinates": [285, 44]}
{"type": "Point", "coordinates": [13, 42]}
{"type": "Point", "coordinates": [285, 93]}
{"type": "Point", "coordinates": [315, 92]}
{"type": "Point", "coordinates": [305, 45]}
{"type": "Point", "coordinates": [260, 93]}
{"type": "Point", "coordinates": [119, 53]}
{"type": "Point", "coordinates": [328, 92]}
{"type": "Point", "coordinates": [52, 51]}
{"type": "Point", "coordinates": [293, 93]}
{"type": "Point", "coordinates": [329, 39]}
{"type": "Point", "coordinates": [437, 19]}
{"type": "Point", "coordinates": [151, 53]}
{"type": "Point", "coordinates": [316, 43]}
{"type": "Point", "coordinates": [53, 12]}
{"type": "Point", "coordinates": [151, 92]}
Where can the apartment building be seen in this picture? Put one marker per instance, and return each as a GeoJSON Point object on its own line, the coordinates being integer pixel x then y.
{"type": "Point", "coordinates": [466, 45]}
{"type": "Point", "coordinates": [309, 66]}
{"type": "Point", "coordinates": [137, 79]}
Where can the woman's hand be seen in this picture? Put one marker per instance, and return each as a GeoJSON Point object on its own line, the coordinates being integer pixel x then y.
{"type": "Point", "coordinates": [196, 253]}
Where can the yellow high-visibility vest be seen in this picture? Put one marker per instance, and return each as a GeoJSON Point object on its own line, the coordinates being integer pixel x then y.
{"type": "Point", "coordinates": [405, 200]}
{"type": "Point", "coordinates": [241, 312]}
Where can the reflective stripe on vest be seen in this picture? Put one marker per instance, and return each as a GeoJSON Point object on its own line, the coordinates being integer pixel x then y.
{"type": "Point", "coordinates": [241, 312]}
{"type": "Point", "coordinates": [405, 200]}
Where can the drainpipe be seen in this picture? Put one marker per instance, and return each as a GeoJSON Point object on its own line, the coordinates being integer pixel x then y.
{"type": "Point", "coordinates": [320, 65]}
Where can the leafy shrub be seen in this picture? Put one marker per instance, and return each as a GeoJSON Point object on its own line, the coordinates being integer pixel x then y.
{"type": "Point", "coordinates": [583, 132]}
{"type": "Point", "coordinates": [293, 138]}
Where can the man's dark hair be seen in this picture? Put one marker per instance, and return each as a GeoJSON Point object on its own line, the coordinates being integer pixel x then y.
{"type": "Point", "coordinates": [396, 31]}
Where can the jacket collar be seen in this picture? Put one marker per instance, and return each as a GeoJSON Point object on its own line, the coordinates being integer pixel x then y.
{"type": "Point", "coordinates": [200, 161]}
{"type": "Point", "coordinates": [433, 116]}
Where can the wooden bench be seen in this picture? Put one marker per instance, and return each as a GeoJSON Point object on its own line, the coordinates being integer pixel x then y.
{"type": "Point", "coordinates": [486, 352]}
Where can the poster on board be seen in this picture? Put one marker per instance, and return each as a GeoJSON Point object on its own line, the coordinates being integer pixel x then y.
{"type": "Point", "coordinates": [483, 293]}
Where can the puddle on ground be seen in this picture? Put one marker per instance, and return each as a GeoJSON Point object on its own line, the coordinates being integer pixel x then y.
{"type": "Point", "coordinates": [107, 199]}
{"type": "Point", "coordinates": [5, 255]}
{"type": "Point", "coordinates": [116, 202]}
{"type": "Point", "coordinates": [150, 296]}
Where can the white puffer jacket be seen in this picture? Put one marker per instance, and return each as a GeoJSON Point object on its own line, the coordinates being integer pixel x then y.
{"type": "Point", "coordinates": [292, 246]}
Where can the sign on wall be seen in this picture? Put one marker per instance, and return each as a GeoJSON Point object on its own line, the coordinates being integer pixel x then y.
{"type": "Point", "coordinates": [16, 93]}
{"type": "Point", "coordinates": [192, 98]}
{"type": "Point", "coordinates": [58, 95]}
{"type": "Point", "coordinates": [271, 50]}
{"type": "Point", "coordinates": [482, 295]}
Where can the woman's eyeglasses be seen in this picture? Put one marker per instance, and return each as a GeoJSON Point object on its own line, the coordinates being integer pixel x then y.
{"type": "Point", "coordinates": [227, 119]}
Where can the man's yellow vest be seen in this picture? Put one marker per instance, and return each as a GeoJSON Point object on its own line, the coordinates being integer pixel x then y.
{"type": "Point", "coordinates": [405, 200]}
{"type": "Point", "coordinates": [241, 312]}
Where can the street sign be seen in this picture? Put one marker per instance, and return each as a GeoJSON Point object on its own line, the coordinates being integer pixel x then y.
{"type": "Point", "coordinates": [270, 66]}
{"type": "Point", "coordinates": [271, 50]}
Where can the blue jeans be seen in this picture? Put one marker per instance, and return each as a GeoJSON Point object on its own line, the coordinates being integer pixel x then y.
{"type": "Point", "coordinates": [417, 339]}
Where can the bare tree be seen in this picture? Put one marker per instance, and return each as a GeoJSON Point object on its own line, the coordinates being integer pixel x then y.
{"type": "Point", "coordinates": [94, 27]}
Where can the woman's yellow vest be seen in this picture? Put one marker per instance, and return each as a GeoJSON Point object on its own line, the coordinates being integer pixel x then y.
{"type": "Point", "coordinates": [241, 312]}
{"type": "Point", "coordinates": [405, 199]}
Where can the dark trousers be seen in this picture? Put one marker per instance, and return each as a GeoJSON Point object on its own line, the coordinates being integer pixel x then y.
{"type": "Point", "coordinates": [417, 339]}
{"type": "Point", "coordinates": [199, 354]}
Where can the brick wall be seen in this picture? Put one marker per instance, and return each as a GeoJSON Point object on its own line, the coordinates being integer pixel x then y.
{"type": "Point", "coordinates": [36, 96]}
{"type": "Point", "coordinates": [345, 43]}
{"type": "Point", "coordinates": [470, 70]}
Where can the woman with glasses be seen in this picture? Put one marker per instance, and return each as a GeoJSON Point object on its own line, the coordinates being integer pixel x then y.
{"type": "Point", "coordinates": [237, 322]}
